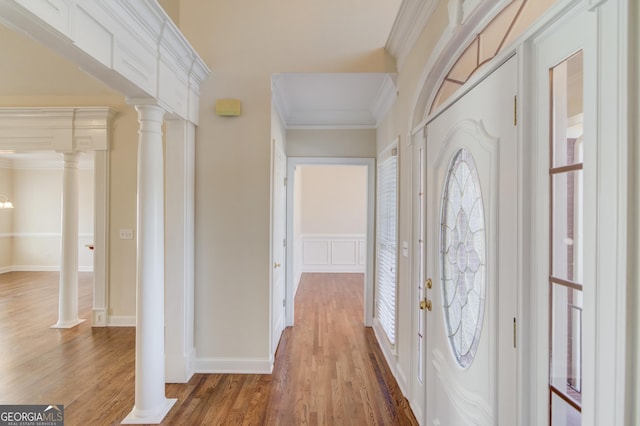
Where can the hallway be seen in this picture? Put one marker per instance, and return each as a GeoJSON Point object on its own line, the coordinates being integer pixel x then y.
{"type": "Point", "coordinates": [328, 370]}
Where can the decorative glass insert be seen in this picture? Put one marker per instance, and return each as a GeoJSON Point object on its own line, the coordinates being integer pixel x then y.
{"type": "Point", "coordinates": [500, 32]}
{"type": "Point", "coordinates": [463, 257]}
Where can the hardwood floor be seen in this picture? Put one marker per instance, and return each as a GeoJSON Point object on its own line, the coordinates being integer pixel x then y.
{"type": "Point", "coordinates": [329, 369]}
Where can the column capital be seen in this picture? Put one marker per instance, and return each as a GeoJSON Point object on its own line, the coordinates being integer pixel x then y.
{"type": "Point", "coordinates": [147, 106]}
{"type": "Point", "coordinates": [71, 158]}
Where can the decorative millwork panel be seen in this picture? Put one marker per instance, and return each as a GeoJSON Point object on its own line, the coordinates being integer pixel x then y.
{"type": "Point", "coordinates": [132, 46]}
{"type": "Point", "coordinates": [57, 129]}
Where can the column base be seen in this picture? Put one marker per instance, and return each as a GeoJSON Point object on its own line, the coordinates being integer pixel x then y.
{"type": "Point", "coordinates": [67, 324]}
{"type": "Point", "coordinates": [135, 417]}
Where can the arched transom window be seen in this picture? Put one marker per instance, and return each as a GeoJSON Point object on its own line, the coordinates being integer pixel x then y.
{"type": "Point", "coordinates": [499, 33]}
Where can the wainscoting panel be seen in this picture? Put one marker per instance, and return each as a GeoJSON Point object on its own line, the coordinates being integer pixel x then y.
{"type": "Point", "coordinates": [333, 253]}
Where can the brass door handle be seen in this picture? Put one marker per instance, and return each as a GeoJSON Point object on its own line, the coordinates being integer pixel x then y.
{"type": "Point", "coordinates": [426, 304]}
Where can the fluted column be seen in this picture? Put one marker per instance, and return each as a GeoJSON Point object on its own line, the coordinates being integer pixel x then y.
{"type": "Point", "coordinates": [68, 288]}
{"type": "Point", "coordinates": [151, 405]}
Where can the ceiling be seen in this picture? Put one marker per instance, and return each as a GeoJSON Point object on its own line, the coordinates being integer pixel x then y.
{"type": "Point", "coordinates": [335, 100]}
{"type": "Point", "coordinates": [31, 71]}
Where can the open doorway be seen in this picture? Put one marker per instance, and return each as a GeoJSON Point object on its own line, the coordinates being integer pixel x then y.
{"type": "Point", "coordinates": [330, 204]}
{"type": "Point", "coordinates": [30, 232]}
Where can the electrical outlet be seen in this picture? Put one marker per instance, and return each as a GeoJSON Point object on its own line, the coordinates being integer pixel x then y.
{"type": "Point", "coordinates": [126, 234]}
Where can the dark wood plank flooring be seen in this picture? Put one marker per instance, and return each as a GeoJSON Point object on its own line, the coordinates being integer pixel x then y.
{"type": "Point", "coordinates": [329, 369]}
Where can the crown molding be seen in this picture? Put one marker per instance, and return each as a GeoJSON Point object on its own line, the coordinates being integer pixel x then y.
{"type": "Point", "coordinates": [55, 129]}
{"type": "Point", "coordinates": [280, 102]}
{"type": "Point", "coordinates": [385, 99]}
{"type": "Point", "coordinates": [319, 119]}
{"type": "Point", "coordinates": [131, 46]}
{"type": "Point", "coordinates": [407, 27]}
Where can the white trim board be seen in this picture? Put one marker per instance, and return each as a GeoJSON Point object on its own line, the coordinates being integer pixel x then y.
{"type": "Point", "coordinates": [233, 366]}
{"type": "Point", "coordinates": [121, 321]}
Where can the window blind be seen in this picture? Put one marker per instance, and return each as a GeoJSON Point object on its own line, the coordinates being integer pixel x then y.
{"type": "Point", "coordinates": [386, 243]}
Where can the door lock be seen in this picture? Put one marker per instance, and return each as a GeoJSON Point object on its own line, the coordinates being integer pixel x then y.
{"type": "Point", "coordinates": [429, 283]}
{"type": "Point", "coordinates": [276, 265]}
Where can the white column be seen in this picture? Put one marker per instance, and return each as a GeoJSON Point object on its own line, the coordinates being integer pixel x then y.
{"type": "Point", "coordinates": [151, 405]}
{"type": "Point", "coordinates": [68, 289]}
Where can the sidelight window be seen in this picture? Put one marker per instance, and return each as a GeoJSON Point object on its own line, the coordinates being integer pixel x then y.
{"type": "Point", "coordinates": [566, 241]}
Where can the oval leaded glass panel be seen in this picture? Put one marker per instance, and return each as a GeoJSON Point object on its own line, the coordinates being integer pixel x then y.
{"type": "Point", "coordinates": [463, 257]}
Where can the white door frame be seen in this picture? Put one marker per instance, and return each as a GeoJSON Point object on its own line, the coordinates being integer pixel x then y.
{"type": "Point", "coordinates": [292, 163]}
{"type": "Point", "coordinates": [607, 365]}
{"type": "Point", "coordinates": [274, 338]}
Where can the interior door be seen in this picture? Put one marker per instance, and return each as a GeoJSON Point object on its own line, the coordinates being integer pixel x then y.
{"type": "Point", "coordinates": [471, 256]}
{"type": "Point", "coordinates": [278, 246]}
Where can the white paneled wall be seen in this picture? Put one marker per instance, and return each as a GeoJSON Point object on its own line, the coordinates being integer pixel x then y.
{"type": "Point", "coordinates": [333, 253]}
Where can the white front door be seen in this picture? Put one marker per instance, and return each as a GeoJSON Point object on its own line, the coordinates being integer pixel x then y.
{"type": "Point", "coordinates": [471, 256]}
{"type": "Point", "coordinates": [278, 247]}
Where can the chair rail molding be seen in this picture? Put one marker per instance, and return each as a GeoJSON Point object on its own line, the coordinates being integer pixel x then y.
{"type": "Point", "coordinates": [133, 47]}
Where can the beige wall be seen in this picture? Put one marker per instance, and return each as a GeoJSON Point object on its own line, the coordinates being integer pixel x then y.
{"type": "Point", "coordinates": [334, 200]}
{"type": "Point", "coordinates": [331, 143]}
{"type": "Point", "coordinates": [122, 213]}
{"type": "Point", "coordinates": [244, 43]}
{"type": "Point", "coordinates": [36, 219]}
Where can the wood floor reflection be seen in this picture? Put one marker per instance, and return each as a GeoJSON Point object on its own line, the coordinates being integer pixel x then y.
{"type": "Point", "coordinates": [329, 369]}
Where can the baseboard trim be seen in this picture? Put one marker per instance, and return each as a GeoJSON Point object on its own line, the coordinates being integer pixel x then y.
{"type": "Point", "coordinates": [121, 321]}
{"type": "Point", "coordinates": [44, 268]}
{"type": "Point", "coordinates": [99, 318]}
{"type": "Point", "coordinates": [179, 369]}
{"type": "Point", "coordinates": [233, 366]}
{"type": "Point", "coordinates": [401, 379]}
{"type": "Point", "coordinates": [334, 269]}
